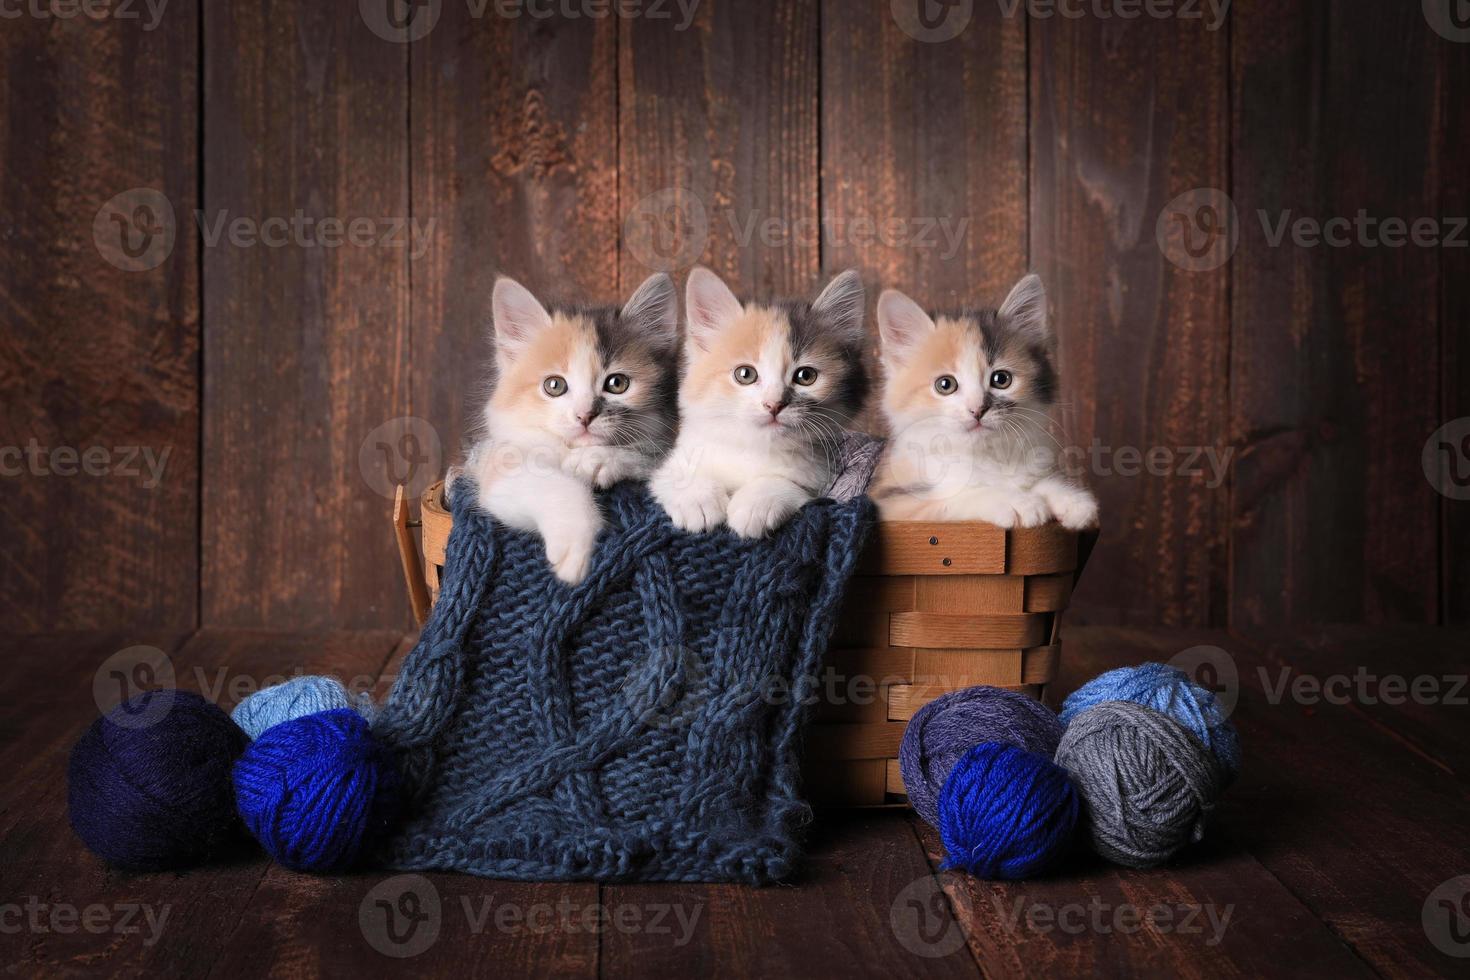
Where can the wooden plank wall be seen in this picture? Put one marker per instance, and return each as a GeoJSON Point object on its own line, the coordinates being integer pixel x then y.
{"type": "Point", "coordinates": [581, 153]}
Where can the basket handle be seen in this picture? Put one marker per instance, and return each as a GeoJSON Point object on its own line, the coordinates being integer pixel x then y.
{"type": "Point", "coordinates": [413, 567]}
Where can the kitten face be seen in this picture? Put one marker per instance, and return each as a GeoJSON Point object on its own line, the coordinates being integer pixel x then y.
{"type": "Point", "coordinates": [585, 376]}
{"type": "Point", "coordinates": [980, 375]}
{"type": "Point", "coordinates": [785, 371]}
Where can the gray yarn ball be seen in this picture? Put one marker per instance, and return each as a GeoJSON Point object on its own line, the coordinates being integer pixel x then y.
{"type": "Point", "coordinates": [1147, 782]}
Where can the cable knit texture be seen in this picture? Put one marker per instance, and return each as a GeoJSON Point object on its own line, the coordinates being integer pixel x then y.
{"type": "Point", "coordinates": [641, 726]}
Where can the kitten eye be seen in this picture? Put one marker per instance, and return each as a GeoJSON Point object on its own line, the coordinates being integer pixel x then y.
{"type": "Point", "coordinates": [745, 375]}
{"type": "Point", "coordinates": [1000, 379]}
{"type": "Point", "coordinates": [946, 385]}
{"type": "Point", "coordinates": [805, 375]}
{"type": "Point", "coordinates": [555, 386]}
{"type": "Point", "coordinates": [616, 384]}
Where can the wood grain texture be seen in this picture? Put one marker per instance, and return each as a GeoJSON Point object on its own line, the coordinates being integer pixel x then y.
{"type": "Point", "coordinates": [865, 905]}
{"type": "Point", "coordinates": [1454, 316]}
{"type": "Point", "coordinates": [513, 145]}
{"type": "Point", "coordinates": [1333, 389]}
{"type": "Point", "coordinates": [717, 150]}
{"type": "Point", "coordinates": [99, 362]}
{"type": "Point", "coordinates": [305, 345]}
{"type": "Point", "coordinates": [1125, 116]}
{"type": "Point", "coordinates": [931, 137]}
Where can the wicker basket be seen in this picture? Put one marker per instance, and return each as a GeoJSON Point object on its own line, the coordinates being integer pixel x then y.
{"type": "Point", "coordinates": [933, 608]}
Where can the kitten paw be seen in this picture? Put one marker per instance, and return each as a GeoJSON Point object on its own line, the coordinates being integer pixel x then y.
{"type": "Point", "coordinates": [593, 464]}
{"type": "Point", "coordinates": [1076, 510]}
{"type": "Point", "coordinates": [697, 507]}
{"type": "Point", "coordinates": [1031, 510]}
{"type": "Point", "coordinates": [756, 514]}
{"type": "Point", "coordinates": [1004, 508]}
{"type": "Point", "coordinates": [569, 548]}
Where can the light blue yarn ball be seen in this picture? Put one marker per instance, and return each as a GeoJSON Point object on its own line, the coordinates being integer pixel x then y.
{"type": "Point", "coordinates": [296, 698]}
{"type": "Point", "coordinates": [1169, 691]}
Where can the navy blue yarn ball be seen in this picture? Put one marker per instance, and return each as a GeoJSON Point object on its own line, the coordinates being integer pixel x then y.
{"type": "Point", "coordinates": [148, 784]}
{"type": "Point", "coordinates": [1006, 813]}
{"type": "Point", "coordinates": [316, 790]}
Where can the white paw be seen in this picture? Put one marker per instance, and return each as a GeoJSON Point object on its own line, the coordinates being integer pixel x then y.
{"type": "Point", "coordinates": [1076, 510]}
{"type": "Point", "coordinates": [1004, 508]}
{"type": "Point", "coordinates": [697, 506]}
{"type": "Point", "coordinates": [569, 547]}
{"type": "Point", "coordinates": [594, 465]}
{"type": "Point", "coordinates": [754, 515]}
{"type": "Point", "coordinates": [1031, 509]}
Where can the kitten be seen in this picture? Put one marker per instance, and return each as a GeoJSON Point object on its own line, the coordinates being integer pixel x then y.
{"type": "Point", "coordinates": [966, 397]}
{"type": "Point", "coordinates": [583, 397]}
{"type": "Point", "coordinates": [767, 388]}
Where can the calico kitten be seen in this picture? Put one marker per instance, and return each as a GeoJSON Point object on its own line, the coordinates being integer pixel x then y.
{"type": "Point", "coordinates": [767, 388]}
{"type": "Point", "coordinates": [582, 397]}
{"type": "Point", "coordinates": [966, 397]}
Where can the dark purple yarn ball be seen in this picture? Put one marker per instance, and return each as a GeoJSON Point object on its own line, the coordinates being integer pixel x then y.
{"type": "Point", "coordinates": [941, 732]}
{"type": "Point", "coordinates": [149, 783]}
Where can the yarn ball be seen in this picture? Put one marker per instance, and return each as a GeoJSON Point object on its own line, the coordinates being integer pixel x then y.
{"type": "Point", "coordinates": [293, 699]}
{"type": "Point", "coordinates": [316, 790]}
{"type": "Point", "coordinates": [1006, 813]}
{"type": "Point", "coordinates": [942, 731]}
{"type": "Point", "coordinates": [148, 784]}
{"type": "Point", "coordinates": [1169, 691]}
{"type": "Point", "coordinates": [1147, 783]}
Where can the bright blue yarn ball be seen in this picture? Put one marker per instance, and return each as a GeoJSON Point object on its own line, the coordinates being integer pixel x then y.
{"type": "Point", "coordinates": [316, 790]}
{"type": "Point", "coordinates": [1006, 813]}
{"type": "Point", "coordinates": [1169, 691]}
{"type": "Point", "coordinates": [294, 699]}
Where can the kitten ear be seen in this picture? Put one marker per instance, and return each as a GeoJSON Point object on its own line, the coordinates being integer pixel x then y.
{"type": "Point", "coordinates": [709, 306]}
{"type": "Point", "coordinates": [1025, 309]}
{"type": "Point", "coordinates": [518, 317]}
{"type": "Point", "coordinates": [902, 324]}
{"type": "Point", "coordinates": [653, 310]}
{"type": "Point", "coordinates": [843, 303]}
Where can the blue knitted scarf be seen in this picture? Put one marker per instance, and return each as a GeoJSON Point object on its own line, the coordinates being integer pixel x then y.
{"type": "Point", "coordinates": [641, 726]}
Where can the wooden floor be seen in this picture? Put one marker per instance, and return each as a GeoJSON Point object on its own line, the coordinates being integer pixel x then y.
{"type": "Point", "coordinates": [1321, 861]}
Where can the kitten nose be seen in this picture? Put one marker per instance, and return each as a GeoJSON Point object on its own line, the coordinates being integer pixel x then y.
{"type": "Point", "coordinates": [979, 413]}
{"type": "Point", "coordinates": [776, 407]}
{"type": "Point", "coordinates": [585, 418]}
